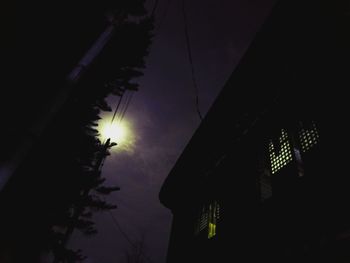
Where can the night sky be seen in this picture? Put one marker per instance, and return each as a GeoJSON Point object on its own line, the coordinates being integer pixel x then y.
{"type": "Point", "coordinates": [164, 118]}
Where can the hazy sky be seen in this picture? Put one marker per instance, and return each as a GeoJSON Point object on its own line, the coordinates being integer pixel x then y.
{"type": "Point", "coordinates": [164, 118]}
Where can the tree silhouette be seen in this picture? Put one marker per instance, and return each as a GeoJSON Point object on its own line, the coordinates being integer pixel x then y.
{"type": "Point", "coordinates": [86, 150]}
{"type": "Point", "coordinates": [60, 185]}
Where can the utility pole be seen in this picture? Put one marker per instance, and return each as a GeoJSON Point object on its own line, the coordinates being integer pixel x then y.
{"type": "Point", "coordinates": [8, 169]}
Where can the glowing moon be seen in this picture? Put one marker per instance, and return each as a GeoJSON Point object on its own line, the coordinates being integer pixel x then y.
{"type": "Point", "coordinates": [119, 132]}
{"type": "Point", "coordinates": [114, 131]}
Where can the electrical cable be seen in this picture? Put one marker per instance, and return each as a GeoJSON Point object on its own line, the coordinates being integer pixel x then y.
{"type": "Point", "coordinates": [117, 108]}
{"type": "Point", "coordinates": [116, 223]}
{"type": "Point", "coordinates": [122, 106]}
{"type": "Point", "coordinates": [129, 98]}
{"type": "Point", "coordinates": [121, 117]}
{"type": "Point", "coordinates": [188, 45]}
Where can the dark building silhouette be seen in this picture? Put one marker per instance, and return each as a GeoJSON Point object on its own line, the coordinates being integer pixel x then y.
{"type": "Point", "coordinates": [266, 175]}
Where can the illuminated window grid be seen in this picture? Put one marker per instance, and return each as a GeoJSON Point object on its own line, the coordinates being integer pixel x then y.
{"type": "Point", "coordinates": [203, 221]}
{"type": "Point", "coordinates": [278, 161]}
{"type": "Point", "coordinates": [308, 138]}
{"type": "Point", "coordinates": [208, 218]}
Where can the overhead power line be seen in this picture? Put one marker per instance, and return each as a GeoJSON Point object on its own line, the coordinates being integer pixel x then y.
{"type": "Point", "coordinates": [118, 106]}
{"type": "Point", "coordinates": [127, 103]}
{"type": "Point", "coordinates": [122, 106]}
{"type": "Point", "coordinates": [188, 45]}
{"type": "Point", "coordinates": [127, 238]}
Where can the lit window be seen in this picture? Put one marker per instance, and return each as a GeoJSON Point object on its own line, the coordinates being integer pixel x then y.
{"type": "Point", "coordinates": [203, 221]}
{"type": "Point", "coordinates": [284, 156]}
{"type": "Point", "coordinates": [214, 214]}
{"type": "Point", "coordinates": [308, 137]}
{"type": "Point", "coordinates": [208, 219]}
{"type": "Point", "coordinates": [212, 230]}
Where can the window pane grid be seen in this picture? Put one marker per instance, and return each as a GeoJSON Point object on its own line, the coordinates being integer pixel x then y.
{"type": "Point", "coordinates": [278, 161]}
{"type": "Point", "coordinates": [208, 219]}
{"type": "Point", "coordinates": [203, 222]}
{"type": "Point", "coordinates": [308, 138]}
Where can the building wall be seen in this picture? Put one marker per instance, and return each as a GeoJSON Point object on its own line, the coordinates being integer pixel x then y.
{"type": "Point", "coordinates": [293, 72]}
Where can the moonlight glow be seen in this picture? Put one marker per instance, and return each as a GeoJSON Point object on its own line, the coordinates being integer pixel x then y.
{"type": "Point", "coordinates": [119, 132]}
{"type": "Point", "coordinates": [115, 131]}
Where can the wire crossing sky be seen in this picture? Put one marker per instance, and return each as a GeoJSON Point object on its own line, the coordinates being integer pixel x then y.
{"type": "Point", "coordinates": [163, 119]}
